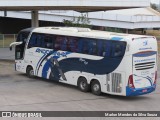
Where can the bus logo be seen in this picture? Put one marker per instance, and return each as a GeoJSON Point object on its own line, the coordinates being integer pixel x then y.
{"type": "Point", "coordinates": [145, 43]}
{"type": "Point", "coordinates": [43, 51]}
{"type": "Point", "coordinates": [55, 53]}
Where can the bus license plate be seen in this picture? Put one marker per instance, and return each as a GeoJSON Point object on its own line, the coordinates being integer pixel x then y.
{"type": "Point", "coordinates": [144, 90]}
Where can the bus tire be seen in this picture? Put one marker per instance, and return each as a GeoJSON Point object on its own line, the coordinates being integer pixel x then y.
{"type": "Point", "coordinates": [83, 85]}
{"type": "Point", "coordinates": [30, 72]}
{"type": "Point", "coordinates": [96, 87]}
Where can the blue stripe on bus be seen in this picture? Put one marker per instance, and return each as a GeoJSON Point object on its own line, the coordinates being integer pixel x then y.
{"type": "Point", "coordinates": [41, 60]}
{"type": "Point", "coordinates": [38, 63]}
{"type": "Point", "coordinates": [139, 91]}
{"type": "Point", "coordinates": [116, 38]}
{"type": "Point", "coordinates": [148, 78]}
{"type": "Point", "coordinates": [48, 65]}
{"type": "Point", "coordinates": [103, 66]}
{"type": "Point", "coordinates": [45, 69]}
{"type": "Point", "coordinates": [145, 54]}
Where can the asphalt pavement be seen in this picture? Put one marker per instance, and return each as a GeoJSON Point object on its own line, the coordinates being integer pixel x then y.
{"type": "Point", "coordinates": [6, 54]}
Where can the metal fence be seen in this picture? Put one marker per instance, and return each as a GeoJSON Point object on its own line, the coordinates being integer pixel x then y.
{"type": "Point", "coordinates": [6, 39]}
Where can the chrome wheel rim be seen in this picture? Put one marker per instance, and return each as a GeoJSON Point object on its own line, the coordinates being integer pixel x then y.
{"type": "Point", "coordinates": [96, 87]}
{"type": "Point", "coordinates": [31, 73]}
{"type": "Point", "coordinates": [83, 85]}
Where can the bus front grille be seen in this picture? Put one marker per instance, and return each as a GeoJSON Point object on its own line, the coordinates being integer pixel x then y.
{"type": "Point", "coordinates": [144, 66]}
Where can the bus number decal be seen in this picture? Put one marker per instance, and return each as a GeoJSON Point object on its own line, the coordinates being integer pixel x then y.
{"type": "Point", "coordinates": [43, 51]}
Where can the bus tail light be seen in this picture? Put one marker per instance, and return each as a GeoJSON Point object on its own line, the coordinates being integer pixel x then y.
{"type": "Point", "coordinates": [155, 77]}
{"type": "Point", "coordinates": [130, 82]}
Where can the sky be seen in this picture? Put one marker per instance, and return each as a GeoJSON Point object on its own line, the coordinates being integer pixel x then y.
{"type": "Point", "coordinates": [155, 1]}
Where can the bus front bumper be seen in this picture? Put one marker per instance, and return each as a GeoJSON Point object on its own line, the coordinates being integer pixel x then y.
{"type": "Point", "coordinates": [139, 91]}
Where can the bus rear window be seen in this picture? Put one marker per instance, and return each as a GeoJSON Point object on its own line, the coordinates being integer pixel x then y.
{"type": "Point", "coordinates": [118, 49]}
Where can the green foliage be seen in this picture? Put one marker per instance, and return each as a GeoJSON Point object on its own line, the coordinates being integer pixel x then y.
{"type": "Point", "coordinates": [118, 30]}
{"type": "Point", "coordinates": [81, 21]}
{"type": "Point", "coordinates": [154, 6]}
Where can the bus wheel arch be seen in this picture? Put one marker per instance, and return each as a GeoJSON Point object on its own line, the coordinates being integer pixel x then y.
{"type": "Point", "coordinates": [83, 84]}
{"type": "Point", "coordinates": [95, 87]}
{"type": "Point", "coordinates": [30, 71]}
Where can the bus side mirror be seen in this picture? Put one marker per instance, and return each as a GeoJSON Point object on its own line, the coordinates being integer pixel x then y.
{"type": "Point", "coordinates": [14, 44]}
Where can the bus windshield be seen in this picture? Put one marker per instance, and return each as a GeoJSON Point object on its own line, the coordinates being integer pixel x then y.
{"type": "Point", "coordinates": [19, 51]}
{"type": "Point", "coordinates": [22, 36]}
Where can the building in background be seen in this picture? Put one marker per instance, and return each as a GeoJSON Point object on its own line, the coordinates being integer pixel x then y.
{"type": "Point", "coordinates": [136, 15]}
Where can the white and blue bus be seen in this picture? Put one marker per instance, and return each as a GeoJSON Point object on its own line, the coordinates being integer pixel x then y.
{"type": "Point", "coordinates": [100, 61]}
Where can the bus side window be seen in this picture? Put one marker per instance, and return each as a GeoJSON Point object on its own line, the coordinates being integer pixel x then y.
{"type": "Point", "coordinates": [117, 49]}
{"type": "Point", "coordinates": [72, 44]}
{"type": "Point", "coordinates": [48, 39]}
{"type": "Point", "coordinates": [85, 49]}
{"type": "Point", "coordinates": [42, 41]}
{"type": "Point", "coordinates": [57, 45]}
{"type": "Point", "coordinates": [107, 48]}
{"type": "Point", "coordinates": [92, 46]}
{"type": "Point", "coordinates": [32, 41]}
{"type": "Point", "coordinates": [100, 48]}
{"type": "Point", "coordinates": [80, 45]}
{"type": "Point", "coordinates": [39, 40]}
{"type": "Point", "coordinates": [64, 44]}
{"type": "Point", "coordinates": [104, 48]}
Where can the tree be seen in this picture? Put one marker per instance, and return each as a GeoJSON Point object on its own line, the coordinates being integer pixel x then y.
{"type": "Point", "coordinates": [154, 6]}
{"type": "Point", "coordinates": [81, 21]}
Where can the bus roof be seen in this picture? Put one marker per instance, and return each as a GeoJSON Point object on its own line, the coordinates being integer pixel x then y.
{"type": "Point", "coordinates": [86, 32]}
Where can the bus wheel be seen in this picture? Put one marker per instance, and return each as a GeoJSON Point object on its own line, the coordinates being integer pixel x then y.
{"type": "Point", "coordinates": [30, 72]}
{"type": "Point", "coordinates": [83, 85]}
{"type": "Point", "coordinates": [96, 87]}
